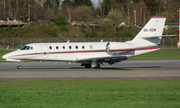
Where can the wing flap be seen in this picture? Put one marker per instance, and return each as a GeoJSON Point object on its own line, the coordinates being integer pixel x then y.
{"type": "Point", "coordinates": [108, 59]}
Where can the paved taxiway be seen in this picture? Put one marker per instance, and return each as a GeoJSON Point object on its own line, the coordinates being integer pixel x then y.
{"type": "Point", "coordinates": [131, 69]}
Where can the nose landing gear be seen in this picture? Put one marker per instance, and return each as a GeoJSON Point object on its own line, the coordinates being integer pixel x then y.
{"type": "Point", "coordinates": [19, 65]}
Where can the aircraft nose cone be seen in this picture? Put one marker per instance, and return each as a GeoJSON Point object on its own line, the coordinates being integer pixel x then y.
{"type": "Point", "coordinates": [4, 56]}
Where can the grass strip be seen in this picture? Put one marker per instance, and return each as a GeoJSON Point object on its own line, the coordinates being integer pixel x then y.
{"type": "Point", "coordinates": [10, 48]}
{"type": "Point", "coordinates": [150, 93]}
{"type": "Point", "coordinates": [1, 54]}
{"type": "Point", "coordinates": [169, 47]}
{"type": "Point", "coordinates": [159, 55]}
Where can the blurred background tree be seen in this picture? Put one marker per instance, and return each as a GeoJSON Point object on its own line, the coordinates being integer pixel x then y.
{"type": "Point", "coordinates": [48, 9]}
{"type": "Point", "coordinates": [105, 12]}
{"type": "Point", "coordinates": [60, 20]}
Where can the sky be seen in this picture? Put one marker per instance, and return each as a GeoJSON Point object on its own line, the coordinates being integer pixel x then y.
{"type": "Point", "coordinates": [95, 2]}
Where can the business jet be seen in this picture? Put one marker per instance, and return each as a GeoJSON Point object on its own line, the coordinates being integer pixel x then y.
{"type": "Point", "coordinates": [92, 54]}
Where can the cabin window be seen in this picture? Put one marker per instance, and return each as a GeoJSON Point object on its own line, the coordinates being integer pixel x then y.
{"type": "Point", "coordinates": [50, 47]}
{"type": "Point", "coordinates": [31, 48]}
{"type": "Point", "coordinates": [83, 47]}
{"type": "Point", "coordinates": [57, 47]}
{"type": "Point", "coordinates": [63, 47]}
{"type": "Point", "coordinates": [70, 47]}
{"type": "Point", "coordinates": [91, 46]}
{"type": "Point", "coordinates": [76, 47]}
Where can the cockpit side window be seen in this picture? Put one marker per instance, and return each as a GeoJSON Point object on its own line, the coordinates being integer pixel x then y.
{"type": "Point", "coordinates": [28, 48]}
{"type": "Point", "coordinates": [23, 48]}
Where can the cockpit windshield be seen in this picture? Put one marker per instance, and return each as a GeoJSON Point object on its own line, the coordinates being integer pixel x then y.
{"type": "Point", "coordinates": [23, 48]}
{"type": "Point", "coordinates": [26, 48]}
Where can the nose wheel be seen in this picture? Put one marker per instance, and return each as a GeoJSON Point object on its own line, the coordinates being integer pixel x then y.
{"type": "Point", "coordinates": [19, 65]}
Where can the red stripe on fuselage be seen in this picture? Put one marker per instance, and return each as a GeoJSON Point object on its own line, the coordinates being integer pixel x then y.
{"type": "Point", "coordinates": [139, 49]}
{"type": "Point", "coordinates": [149, 48]}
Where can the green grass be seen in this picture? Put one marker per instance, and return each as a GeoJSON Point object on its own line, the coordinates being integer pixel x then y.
{"type": "Point", "coordinates": [10, 48]}
{"type": "Point", "coordinates": [159, 55]}
{"type": "Point", "coordinates": [90, 94]}
{"type": "Point", "coordinates": [169, 47]}
{"type": "Point", "coordinates": [1, 54]}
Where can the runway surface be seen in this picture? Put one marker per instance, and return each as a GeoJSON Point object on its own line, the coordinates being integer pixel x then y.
{"type": "Point", "coordinates": [131, 69]}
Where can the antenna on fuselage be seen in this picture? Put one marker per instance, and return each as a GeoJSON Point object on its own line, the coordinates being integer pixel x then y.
{"type": "Point", "coordinates": [101, 40]}
{"type": "Point", "coordinates": [68, 41]}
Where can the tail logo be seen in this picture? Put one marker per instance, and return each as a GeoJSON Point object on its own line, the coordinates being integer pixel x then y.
{"type": "Point", "coordinates": [149, 30]}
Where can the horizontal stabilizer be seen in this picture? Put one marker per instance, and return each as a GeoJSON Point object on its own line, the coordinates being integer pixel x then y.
{"type": "Point", "coordinates": [145, 37]}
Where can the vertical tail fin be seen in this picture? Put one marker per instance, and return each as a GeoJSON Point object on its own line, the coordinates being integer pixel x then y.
{"type": "Point", "coordinates": [154, 29]}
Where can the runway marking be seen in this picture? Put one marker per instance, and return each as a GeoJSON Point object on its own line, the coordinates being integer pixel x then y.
{"type": "Point", "coordinates": [75, 76]}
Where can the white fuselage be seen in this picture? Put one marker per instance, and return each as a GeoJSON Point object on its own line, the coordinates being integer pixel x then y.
{"type": "Point", "coordinates": [77, 51]}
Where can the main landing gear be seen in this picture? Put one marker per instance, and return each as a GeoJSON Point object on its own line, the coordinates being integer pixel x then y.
{"type": "Point", "coordinates": [98, 66]}
{"type": "Point", "coordinates": [19, 65]}
{"type": "Point", "coordinates": [87, 65]}
{"type": "Point", "coordinates": [90, 65]}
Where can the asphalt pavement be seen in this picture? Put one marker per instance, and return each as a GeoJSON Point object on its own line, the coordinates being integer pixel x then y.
{"type": "Point", "coordinates": [131, 69]}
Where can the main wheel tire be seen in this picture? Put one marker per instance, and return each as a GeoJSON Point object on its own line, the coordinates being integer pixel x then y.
{"type": "Point", "coordinates": [87, 65]}
{"type": "Point", "coordinates": [98, 66]}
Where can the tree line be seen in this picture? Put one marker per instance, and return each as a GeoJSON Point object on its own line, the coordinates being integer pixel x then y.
{"type": "Point", "coordinates": [107, 11]}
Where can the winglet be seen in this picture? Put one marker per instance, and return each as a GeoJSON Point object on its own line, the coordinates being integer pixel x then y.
{"type": "Point", "coordinates": [159, 16]}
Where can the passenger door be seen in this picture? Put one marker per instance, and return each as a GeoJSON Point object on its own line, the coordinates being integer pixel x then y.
{"type": "Point", "coordinates": [44, 51]}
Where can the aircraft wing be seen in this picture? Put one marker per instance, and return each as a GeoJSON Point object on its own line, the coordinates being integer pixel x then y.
{"type": "Point", "coordinates": [108, 59]}
{"type": "Point", "coordinates": [158, 36]}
